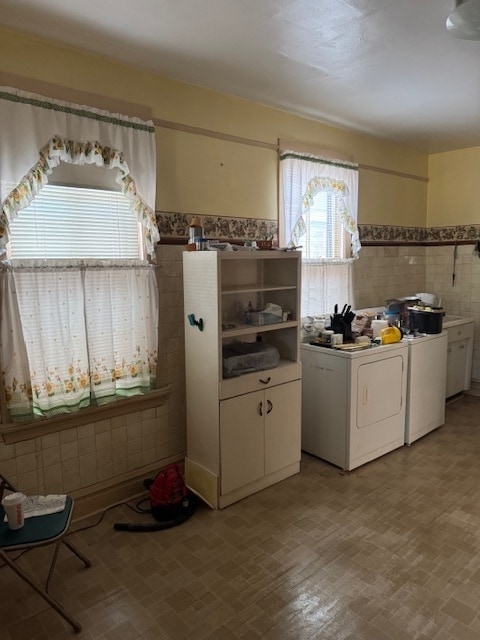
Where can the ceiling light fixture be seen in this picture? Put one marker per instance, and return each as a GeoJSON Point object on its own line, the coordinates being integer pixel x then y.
{"type": "Point", "coordinates": [464, 21]}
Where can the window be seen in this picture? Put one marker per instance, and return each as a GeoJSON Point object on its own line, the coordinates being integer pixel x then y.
{"type": "Point", "coordinates": [318, 211]}
{"type": "Point", "coordinates": [78, 305]}
{"type": "Point", "coordinates": [324, 234]}
{"type": "Point", "coordinates": [73, 222]}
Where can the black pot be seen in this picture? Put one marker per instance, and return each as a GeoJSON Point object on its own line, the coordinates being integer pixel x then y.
{"type": "Point", "coordinates": [426, 321]}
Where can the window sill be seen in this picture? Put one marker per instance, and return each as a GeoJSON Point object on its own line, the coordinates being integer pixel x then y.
{"type": "Point", "coordinates": [18, 432]}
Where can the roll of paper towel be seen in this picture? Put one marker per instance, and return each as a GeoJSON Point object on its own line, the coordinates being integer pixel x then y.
{"type": "Point", "coordinates": [377, 326]}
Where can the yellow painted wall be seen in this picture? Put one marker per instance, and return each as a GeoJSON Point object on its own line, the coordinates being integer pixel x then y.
{"type": "Point", "coordinates": [386, 199]}
{"type": "Point", "coordinates": [214, 177]}
{"type": "Point", "coordinates": [197, 174]}
{"type": "Point", "coordinates": [453, 188]}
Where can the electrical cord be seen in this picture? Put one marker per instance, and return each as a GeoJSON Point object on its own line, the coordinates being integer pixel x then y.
{"type": "Point", "coordinates": [455, 252]}
{"type": "Point", "coordinates": [136, 509]}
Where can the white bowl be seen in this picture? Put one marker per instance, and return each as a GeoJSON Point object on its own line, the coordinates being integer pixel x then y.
{"type": "Point", "coordinates": [430, 299]}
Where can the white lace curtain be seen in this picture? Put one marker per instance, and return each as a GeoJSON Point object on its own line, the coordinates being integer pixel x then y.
{"type": "Point", "coordinates": [325, 282]}
{"type": "Point", "coordinates": [73, 333]}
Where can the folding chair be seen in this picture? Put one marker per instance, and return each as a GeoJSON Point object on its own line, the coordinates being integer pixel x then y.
{"type": "Point", "coordinates": [39, 531]}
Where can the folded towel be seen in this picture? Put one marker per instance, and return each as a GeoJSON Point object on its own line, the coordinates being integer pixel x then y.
{"type": "Point", "coordinates": [42, 505]}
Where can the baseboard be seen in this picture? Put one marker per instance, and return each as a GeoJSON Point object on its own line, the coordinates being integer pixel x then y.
{"type": "Point", "coordinates": [474, 388]}
{"type": "Point", "coordinates": [202, 482]}
{"type": "Point", "coordinates": [454, 398]}
{"type": "Point", "coordinates": [96, 499]}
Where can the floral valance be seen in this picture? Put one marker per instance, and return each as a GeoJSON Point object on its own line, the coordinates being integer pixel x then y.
{"type": "Point", "coordinates": [73, 152]}
{"type": "Point", "coordinates": [331, 185]}
{"type": "Point", "coordinates": [302, 177]}
{"type": "Point", "coordinates": [37, 133]}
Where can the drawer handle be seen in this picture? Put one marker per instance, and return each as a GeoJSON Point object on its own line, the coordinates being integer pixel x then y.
{"type": "Point", "coordinates": [462, 346]}
{"type": "Point", "coordinates": [270, 407]}
{"type": "Point", "coordinates": [263, 381]}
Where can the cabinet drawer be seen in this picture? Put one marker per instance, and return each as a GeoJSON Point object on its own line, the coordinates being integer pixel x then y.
{"type": "Point", "coordinates": [285, 372]}
{"type": "Point", "coordinates": [460, 332]}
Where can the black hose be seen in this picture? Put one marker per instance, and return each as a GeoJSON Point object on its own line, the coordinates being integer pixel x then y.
{"type": "Point", "coordinates": [151, 526]}
{"type": "Point", "coordinates": [159, 525]}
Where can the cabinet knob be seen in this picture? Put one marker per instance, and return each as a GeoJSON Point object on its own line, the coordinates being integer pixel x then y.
{"type": "Point", "coordinates": [260, 409]}
{"type": "Point", "coordinates": [265, 380]}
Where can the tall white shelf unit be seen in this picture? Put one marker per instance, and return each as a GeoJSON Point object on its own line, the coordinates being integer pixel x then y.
{"type": "Point", "coordinates": [243, 433]}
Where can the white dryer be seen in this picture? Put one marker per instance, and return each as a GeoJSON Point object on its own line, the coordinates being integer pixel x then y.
{"type": "Point", "coordinates": [353, 403]}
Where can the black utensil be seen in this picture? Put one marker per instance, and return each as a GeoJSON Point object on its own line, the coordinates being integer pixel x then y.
{"type": "Point", "coordinates": [349, 317]}
{"type": "Point", "coordinates": [344, 308]}
{"type": "Point", "coordinates": [335, 309]}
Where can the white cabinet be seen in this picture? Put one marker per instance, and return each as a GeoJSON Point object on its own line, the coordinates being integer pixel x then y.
{"type": "Point", "coordinates": [459, 358]}
{"type": "Point", "coordinates": [243, 433]}
{"type": "Point", "coordinates": [256, 435]}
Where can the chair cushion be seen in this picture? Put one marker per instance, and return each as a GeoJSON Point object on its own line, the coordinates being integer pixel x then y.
{"type": "Point", "coordinates": [36, 530]}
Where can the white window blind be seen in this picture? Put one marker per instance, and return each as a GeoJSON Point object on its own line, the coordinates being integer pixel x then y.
{"type": "Point", "coordinates": [75, 223]}
{"type": "Point", "coordinates": [325, 236]}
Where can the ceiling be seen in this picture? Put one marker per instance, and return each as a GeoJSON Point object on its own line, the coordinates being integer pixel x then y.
{"type": "Point", "coordinates": [382, 67]}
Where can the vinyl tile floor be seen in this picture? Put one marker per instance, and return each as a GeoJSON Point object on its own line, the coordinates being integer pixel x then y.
{"type": "Point", "coordinates": [389, 551]}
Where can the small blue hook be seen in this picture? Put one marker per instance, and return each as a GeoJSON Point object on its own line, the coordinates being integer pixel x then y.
{"type": "Point", "coordinates": [195, 323]}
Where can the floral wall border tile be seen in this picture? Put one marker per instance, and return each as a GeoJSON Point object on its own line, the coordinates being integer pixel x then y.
{"type": "Point", "coordinates": [174, 226]}
{"type": "Point", "coordinates": [373, 234]}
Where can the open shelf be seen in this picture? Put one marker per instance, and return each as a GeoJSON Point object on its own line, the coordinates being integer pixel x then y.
{"type": "Point", "coordinates": [246, 329]}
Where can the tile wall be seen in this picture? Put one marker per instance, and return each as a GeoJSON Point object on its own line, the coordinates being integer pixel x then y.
{"type": "Point", "coordinates": [86, 459]}
{"type": "Point", "coordinates": [388, 272]}
{"type": "Point", "coordinates": [90, 455]}
{"type": "Point", "coordinates": [381, 273]}
{"type": "Point", "coordinates": [461, 295]}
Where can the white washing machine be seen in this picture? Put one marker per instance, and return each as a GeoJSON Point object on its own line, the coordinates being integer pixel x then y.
{"type": "Point", "coordinates": [353, 403]}
{"type": "Point", "coordinates": [427, 375]}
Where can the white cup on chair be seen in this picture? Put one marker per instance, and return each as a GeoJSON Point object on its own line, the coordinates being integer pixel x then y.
{"type": "Point", "coordinates": [13, 503]}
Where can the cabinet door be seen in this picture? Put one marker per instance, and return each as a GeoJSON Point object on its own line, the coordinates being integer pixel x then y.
{"type": "Point", "coordinates": [282, 426]}
{"type": "Point", "coordinates": [241, 440]}
{"type": "Point", "coordinates": [456, 366]}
